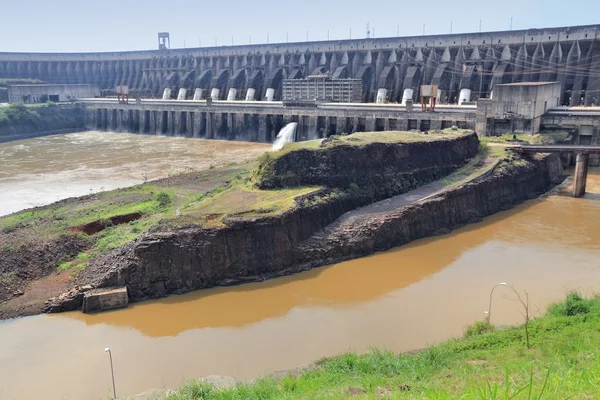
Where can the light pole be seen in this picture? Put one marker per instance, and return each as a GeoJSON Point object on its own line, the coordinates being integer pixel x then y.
{"type": "Point", "coordinates": [489, 311]}
{"type": "Point", "coordinates": [112, 372]}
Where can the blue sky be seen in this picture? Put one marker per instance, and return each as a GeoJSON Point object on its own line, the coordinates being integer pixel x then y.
{"type": "Point", "coordinates": [109, 25]}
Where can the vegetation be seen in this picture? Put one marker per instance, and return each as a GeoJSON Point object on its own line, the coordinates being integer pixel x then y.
{"type": "Point", "coordinates": [550, 137]}
{"type": "Point", "coordinates": [363, 138]}
{"type": "Point", "coordinates": [18, 118]}
{"type": "Point", "coordinates": [485, 364]}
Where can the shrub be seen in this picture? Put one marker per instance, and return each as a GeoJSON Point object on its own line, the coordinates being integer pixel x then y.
{"type": "Point", "coordinates": [574, 304]}
{"type": "Point", "coordinates": [163, 199]}
{"type": "Point", "coordinates": [479, 328]}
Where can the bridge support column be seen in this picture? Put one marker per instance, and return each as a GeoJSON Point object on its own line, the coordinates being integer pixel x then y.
{"type": "Point", "coordinates": [370, 124]}
{"type": "Point", "coordinates": [581, 169]}
{"type": "Point", "coordinates": [196, 124]}
{"type": "Point", "coordinates": [262, 128]}
{"type": "Point", "coordinates": [386, 124]}
{"type": "Point", "coordinates": [210, 134]}
{"type": "Point", "coordinates": [159, 122]}
{"type": "Point", "coordinates": [120, 120]}
{"type": "Point", "coordinates": [402, 124]}
{"type": "Point", "coordinates": [355, 125]}
{"type": "Point", "coordinates": [142, 121]}
{"type": "Point", "coordinates": [152, 123]}
{"type": "Point", "coordinates": [436, 125]}
{"type": "Point", "coordinates": [189, 125]}
{"type": "Point", "coordinates": [170, 128]}
{"type": "Point", "coordinates": [231, 133]}
{"type": "Point", "coordinates": [340, 126]}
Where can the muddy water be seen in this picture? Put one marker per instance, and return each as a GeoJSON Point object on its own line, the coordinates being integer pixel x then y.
{"type": "Point", "coordinates": [403, 299]}
{"type": "Point", "coordinates": [40, 171]}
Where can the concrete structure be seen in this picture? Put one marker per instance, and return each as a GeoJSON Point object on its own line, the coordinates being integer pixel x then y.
{"type": "Point", "coordinates": [36, 93]}
{"type": "Point", "coordinates": [517, 107]}
{"type": "Point", "coordinates": [260, 121]}
{"type": "Point", "coordinates": [581, 163]}
{"type": "Point", "coordinates": [105, 299]}
{"type": "Point", "coordinates": [475, 61]}
{"type": "Point", "coordinates": [322, 88]}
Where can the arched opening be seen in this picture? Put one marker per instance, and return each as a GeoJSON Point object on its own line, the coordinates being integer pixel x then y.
{"type": "Point", "coordinates": [341, 72]}
{"type": "Point", "coordinates": [256, 82]}
{"type": "Point", "coordinates": [365, 74]}
{"type": "Point", "coordinates": [276, 82]}
{"type": "Point", "coordinates": [387, 80]}
{"type": "Point", "coordinates": [203, 81]}
{"type": "Point", "coordinates": [220, 81]}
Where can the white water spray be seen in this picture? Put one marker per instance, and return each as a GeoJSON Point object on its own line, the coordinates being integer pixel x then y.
{"type": "Point", "coordinates": [286, 135]}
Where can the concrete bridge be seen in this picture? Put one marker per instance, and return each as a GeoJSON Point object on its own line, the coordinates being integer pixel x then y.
{"type": "Point", "coordinates": [261, 121]}
{"type": "Point", "coordinates": [581, 163]}
{"type": "Point", "coordinates": [464, 66]}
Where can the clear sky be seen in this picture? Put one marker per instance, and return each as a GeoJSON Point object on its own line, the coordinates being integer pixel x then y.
{"type": "Point", "coordinates": [110, 25]}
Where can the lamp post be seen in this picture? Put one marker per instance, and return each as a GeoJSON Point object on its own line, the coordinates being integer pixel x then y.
{"type": "Point", "coordinates": [489, 312]}
{"type": "Point", "coordinates": [112, 372]}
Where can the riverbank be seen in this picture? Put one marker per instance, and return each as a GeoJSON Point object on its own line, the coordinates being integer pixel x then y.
{"type": "Point", "coordinates": [18, 121]}
{"type": "Point", "coordinates": [559, 362]}
{"type": "Point", "coordinates": [220, 228]}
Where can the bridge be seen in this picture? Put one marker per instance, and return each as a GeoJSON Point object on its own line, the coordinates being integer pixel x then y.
{"type": "Point", "coordinates": [581, 164]}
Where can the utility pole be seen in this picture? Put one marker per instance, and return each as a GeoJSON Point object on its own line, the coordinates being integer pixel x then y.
{"type": "Point", "coordinates": [398, 30]}
{"type": "Point", "coordinates": [199, 42]}
{"type": "Point", "coordinates": [423, 29]}
{"type": "Point", "coordinates": [184, 43]}
{"type": "Point", "coordinates": [350, 33]}
{"type": "Point", "coordinates": [267, 38]}
{"type": "Point", "coordinates": [368, 31]}
{"type": "Point", "coordinates": [511, 23]}
{"type": "Point", "coordinates": [232, 40]}
{"type": "Point", "coordinates": [373, 32]}
{"type": "Point", "coordinates": [287, 37]}
{"type": "Point", "coordinates": [249, 39]}
{"type": "Point", "coordinates": [307, 36]}
{"type": "Point", "coordinates": [215, 41]}
{"type": "Point", "coordinates": [480, 26]}
{"type": "Point", "coordinates": [450, 27]}
{"type": "Point", "coordinates": [327, 34]}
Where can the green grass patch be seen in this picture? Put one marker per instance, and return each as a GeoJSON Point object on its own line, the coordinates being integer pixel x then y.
{"type": "Point", "coordinates": [364, 138]}
{"type": "Point", "coordinates": [485, 364]}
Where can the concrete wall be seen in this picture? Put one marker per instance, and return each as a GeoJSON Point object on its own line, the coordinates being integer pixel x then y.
{"type": "Point", "coordinates": [259, 123]}
{"type": "Point", "coordinates": [475, 61]}
{"type": "Point", "coordinates": [34, 93]}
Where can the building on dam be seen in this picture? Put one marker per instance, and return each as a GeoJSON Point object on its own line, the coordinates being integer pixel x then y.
{"type": "Point", "coordinates": [465, 67]}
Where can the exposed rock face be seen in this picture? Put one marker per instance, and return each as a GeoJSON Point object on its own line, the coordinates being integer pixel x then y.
{"type": "Point", "coordinates": [159, 264]}
{"type": "Point", "coordinates": [385, 169]}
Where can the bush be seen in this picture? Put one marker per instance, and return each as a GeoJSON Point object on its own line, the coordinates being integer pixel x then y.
{"type": "Point", "coordinates": [353, 188]}
{"type": "Point", "coordinates": [479, 328]}
{"type": "Point", "coordinates": [574, 304]}
{"type": "Point", "coordinates": [163, 199]}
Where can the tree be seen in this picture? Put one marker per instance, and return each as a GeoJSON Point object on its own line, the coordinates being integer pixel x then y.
{"type": "Point", "coordinates": [527, 311]}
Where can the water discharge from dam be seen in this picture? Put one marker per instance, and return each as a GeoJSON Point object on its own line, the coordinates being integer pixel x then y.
{"type": "Point", "coordinates": [402, 299]}
{"type": "Point", "coordinates": [286, 135]}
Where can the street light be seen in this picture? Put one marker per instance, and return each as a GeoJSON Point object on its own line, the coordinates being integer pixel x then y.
{"type": "Point", "coordinates": [489, 312]}
{"type": "Point", "coordinates": [112, 372]}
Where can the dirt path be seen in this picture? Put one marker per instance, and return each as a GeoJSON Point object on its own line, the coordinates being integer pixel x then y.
{"type": "Point", "coordinates": [351, 223]}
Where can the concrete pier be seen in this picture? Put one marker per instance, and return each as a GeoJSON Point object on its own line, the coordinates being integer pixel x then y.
{"type": "Point", "coordinates": [581, 170]}
{"type": "Point", "coordinates": [105, 299]}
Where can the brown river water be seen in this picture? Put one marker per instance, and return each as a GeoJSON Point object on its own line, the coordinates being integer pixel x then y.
{"type": "Point", "coordinates": [403, 299]}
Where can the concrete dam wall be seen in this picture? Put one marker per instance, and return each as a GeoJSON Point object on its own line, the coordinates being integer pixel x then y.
{"type": "Point", "coordinates": [464, 66]}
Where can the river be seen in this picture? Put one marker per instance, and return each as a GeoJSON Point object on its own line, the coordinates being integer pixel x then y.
{"type": "Point", "coordinates": [402, 299]}
{"type": "Point", "coordinates": [43, 170]}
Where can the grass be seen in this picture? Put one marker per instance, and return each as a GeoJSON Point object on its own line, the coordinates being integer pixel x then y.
{"type": "Point", "coordinates": [550, 137]}
{"type": "Point", "coordinates": [364, 138]}
{"type": "Point", "coordinates": [485, 364]}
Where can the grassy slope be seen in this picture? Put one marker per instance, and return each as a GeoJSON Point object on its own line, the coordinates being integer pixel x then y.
{"type": "Point", "coordinates": [362, 138]}
{"type": "Point", "coordinates": [202, 198]}
{"type": "Point", "coordinates": [486, 364]}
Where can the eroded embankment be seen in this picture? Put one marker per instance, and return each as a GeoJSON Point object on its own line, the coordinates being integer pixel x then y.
{"type": "Point", "coordinates": [253, 248]}
{"type": "Point", "coordinates": [189, 259]}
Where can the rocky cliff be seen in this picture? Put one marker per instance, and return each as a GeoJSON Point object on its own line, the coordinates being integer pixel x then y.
{"type": "Point", "coordinates": [247, 250]}
{"type": "Point", "coordinates": [383, 169]}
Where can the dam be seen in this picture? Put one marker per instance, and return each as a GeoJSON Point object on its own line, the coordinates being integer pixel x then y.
{"type": "Point", "coordinates": [463, 66]}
